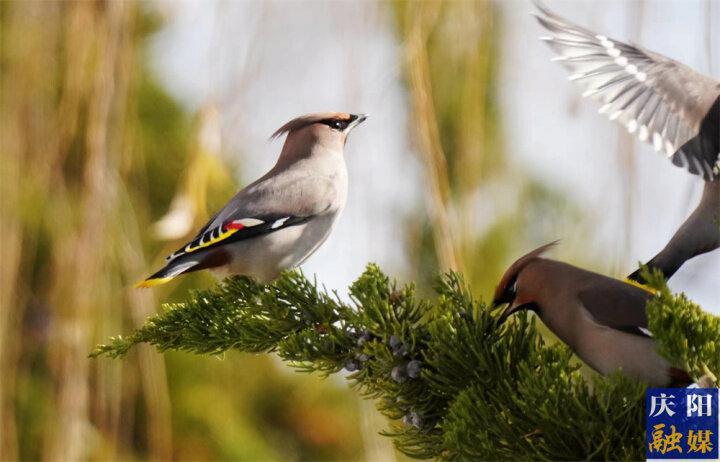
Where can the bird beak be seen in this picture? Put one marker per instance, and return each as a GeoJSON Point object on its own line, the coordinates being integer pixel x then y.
{"type": "Point", "coordinates": [502, 299]}
{"type": "Point", "coordinates": [505, 314]}
{"type": "Point", "coordinates": [355, 120]}
{"type": "Point", "coordinates": [514, 308]}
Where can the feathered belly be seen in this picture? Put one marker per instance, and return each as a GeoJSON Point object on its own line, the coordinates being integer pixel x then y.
{"type": "Point", "coordinates": [265, 257]}
{"type": "Point", "coordinates": [607, 350]}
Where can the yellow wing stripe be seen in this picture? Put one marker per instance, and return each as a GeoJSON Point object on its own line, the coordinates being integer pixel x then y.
{"type": "Point", "coordinates": [647, 289]}
{"type": "Point", "coordinates": [223, 235]}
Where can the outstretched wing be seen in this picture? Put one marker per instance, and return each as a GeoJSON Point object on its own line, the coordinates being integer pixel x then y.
{"type": "Point", "coordinates": [658, 99]}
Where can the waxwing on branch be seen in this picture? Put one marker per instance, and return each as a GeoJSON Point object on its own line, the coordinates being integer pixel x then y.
{"type": "Point", "coordinates": [603, 320]}
{"type": "Point", "coordinates": [278, 221]}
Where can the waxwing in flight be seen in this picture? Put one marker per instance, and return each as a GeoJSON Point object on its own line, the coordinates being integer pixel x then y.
{"type": "Point", "coordinates": [660, 101]}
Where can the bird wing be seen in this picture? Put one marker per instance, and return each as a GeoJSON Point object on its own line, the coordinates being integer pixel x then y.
{"type": "Point", "coordinates": [618, 305]}
{"type": "Point", "coordinates": [660, 100]}
{"type": "Point", "coordinates": [264, 207]}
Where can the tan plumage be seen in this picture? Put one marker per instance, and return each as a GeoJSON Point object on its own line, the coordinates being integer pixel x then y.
{"type": "Point", "coordinates": [601, 319]}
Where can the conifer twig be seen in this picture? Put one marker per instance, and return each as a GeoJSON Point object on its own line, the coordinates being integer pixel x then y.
{"type": "Point", "coordinates": [456, 385]}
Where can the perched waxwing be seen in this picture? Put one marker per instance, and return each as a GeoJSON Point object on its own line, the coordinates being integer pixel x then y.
{"type": "Point", "coordinates": [603, 320]}
{"type": "Point", "coordinates": [662, 102]}
{"type": "Point", "coordinates": [278, 221]}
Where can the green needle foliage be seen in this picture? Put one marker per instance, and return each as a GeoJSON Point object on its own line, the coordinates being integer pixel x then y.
{"type": "Point", "coordinates": [686, 334]}
{"type": "Point", "coordinates": [456, 385]}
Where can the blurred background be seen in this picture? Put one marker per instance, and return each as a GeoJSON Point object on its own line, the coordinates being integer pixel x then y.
{"type": "Point", "coordinates": [125, 124]}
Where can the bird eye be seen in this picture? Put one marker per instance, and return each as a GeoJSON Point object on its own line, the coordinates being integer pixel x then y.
{"type": "Point", "coordinates": [511, 290]}
{"type": "Point", "coordinates": [337, 124]}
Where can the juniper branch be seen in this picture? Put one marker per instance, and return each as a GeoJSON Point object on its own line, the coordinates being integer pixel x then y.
{"type": "Point", "coordinates": [687, 335]}
{"type": "Point", "coordinates": [455, 384]}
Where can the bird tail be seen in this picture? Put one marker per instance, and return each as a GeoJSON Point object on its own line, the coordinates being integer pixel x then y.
{"type": "Point", "coordinates": [640, 285]}
{"type": "Point", "coordinates": [680, 378]}
{"type": "Point", "coordinates": [635, 277]}
{"type": "Point", "coordinates": [173, 269]}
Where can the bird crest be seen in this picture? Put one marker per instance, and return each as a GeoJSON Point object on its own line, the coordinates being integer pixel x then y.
{"type": "Point", "coordinates": [309, 119]}
{"type": "Point", "coordinates": [512, 273]}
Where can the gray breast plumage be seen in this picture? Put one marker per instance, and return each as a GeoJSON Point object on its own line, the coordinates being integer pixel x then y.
{"type": "Point", "coordinates": [266, 256]}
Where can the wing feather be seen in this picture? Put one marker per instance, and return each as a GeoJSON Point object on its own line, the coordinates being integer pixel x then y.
{"type": "Point", "coordinates": [656, 98]}
{"type": "Point", "coordinates": [618, 305]}
{"type": "Point", "coordinates": [266, 206]}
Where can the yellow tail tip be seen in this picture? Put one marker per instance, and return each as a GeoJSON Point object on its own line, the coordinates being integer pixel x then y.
{"type": "Point", "coordinates": [152, 282]}
{"type": "Point", "coordinates": [640, 286]}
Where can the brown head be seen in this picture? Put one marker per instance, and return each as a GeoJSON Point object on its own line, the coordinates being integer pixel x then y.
{"type": "Point", "coordinates": [329, 129]}
{"type": "Point", "coordinates": [508, 292]}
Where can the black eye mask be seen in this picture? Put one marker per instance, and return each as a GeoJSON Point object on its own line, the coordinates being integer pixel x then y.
{"type": "Point", "coordinates": [336, 124]}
